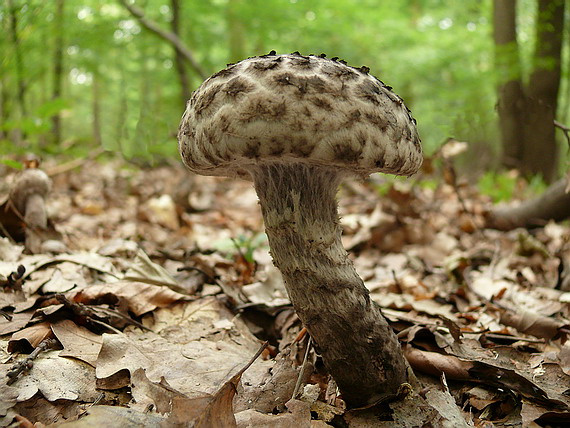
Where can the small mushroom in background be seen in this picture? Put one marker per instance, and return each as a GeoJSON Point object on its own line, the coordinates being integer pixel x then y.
{"type": "Point", "coordinates": [297, 126]}
{"type": "Point", "coordinates": [27, 198]}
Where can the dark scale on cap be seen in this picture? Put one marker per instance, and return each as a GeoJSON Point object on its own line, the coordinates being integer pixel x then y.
{"type": "Point", "coordinates": [237, 86]}
{"type": "Point", "coordinates": [264, 109]}
{"type": "Point", "coordinates": [317, 83]}
{"type": "Point", "coordinates": [225, 123]}
{"type": "Point", "coordinates": [353, 118]}
{"type": "Point", "coordinates": [398, 163]}
{"type": "Point", "coordinates": [303, 147]}
{"type": "Point", "coordinates": [345, 152]}
{"type": "Point", "coordinates": [226, 72]}
{"type": "Point", "coordinates": [304, 63]}
{"type": "Point", "coordinates": [205, 100]}
{"type": "Point", "coordinates": [322, 103]}
{"type": "Point", "coordinates": [252, 150]}
{"type": "Point", "coordinates": [379, 121]}
{"type": "Point", "coordinates": [275, 147]}
{"type": "Point", "coordinates": [262, 66]}
{"type": "Point", "coordinates": [369, 88]}
{"type": "Point", "coordinates": [337, 70]}
{"type": "Point", "coordinates": [283, 79]}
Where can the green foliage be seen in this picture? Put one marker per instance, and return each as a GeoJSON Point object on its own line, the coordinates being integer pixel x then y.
{"type": "Point", "coordinates": [121, 88]}
{"type": "Point", "coordinates": [506, 186]}
{"type": "Point", "coordinates": [500, 187]}
{"type": "Point", "coordinates": [11, 163]}
{"type": "Point", "coordinates": [243, 244]}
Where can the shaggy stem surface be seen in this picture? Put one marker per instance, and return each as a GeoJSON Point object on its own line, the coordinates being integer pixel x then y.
{"type": "Point", "coordinates": [358, 346]}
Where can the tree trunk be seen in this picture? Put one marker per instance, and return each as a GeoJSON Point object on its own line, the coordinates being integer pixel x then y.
{"type": "Point", "coordinates": [185, 91]}
{"type": "Point", "coordinates": [58, 67]}
{"type": "Point", "coordinates": [96, 110]}
{"type": "Point", "coordinates": [509, 86]}
{"type": "Point", "coordinates": [526, 115]}
{"type": "Point", "coordinates": [3, 109]}
{"type": "Point", "coordinates": [359, 348]}
{"type": "Point", "coordinates": [18, 135]}
{"type": "Point", "coordinates": [235, 31]}
{"type": "Point", "coordinates": [540, 148]}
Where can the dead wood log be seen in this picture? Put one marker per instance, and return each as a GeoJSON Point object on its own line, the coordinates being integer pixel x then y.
{"type": "Point", "coordinates": [553, 204]}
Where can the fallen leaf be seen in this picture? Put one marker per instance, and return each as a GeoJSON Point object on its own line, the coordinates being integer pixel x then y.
{"type": "Point", "coordinates": [139, 297]}
{"type": "Point", "coordinates": [57, 378]}
{"type": "Point", "coordinates": [215, 411]}
{"type": "Point", "coordinates": [29, 337]}
{"type": "Point", "coordinates": [77, 341]}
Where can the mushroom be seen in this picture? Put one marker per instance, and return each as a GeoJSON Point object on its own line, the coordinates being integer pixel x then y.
{"type": "Point", "coordinates": [27, 197]}
{"type": "Point", "coordinates": [297, 126]}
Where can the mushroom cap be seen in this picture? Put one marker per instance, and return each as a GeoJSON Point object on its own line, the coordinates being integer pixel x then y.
{"type": "Point", "coordinates": [295, 108]}
{"type": "Point", "coordinates": [30, 182]}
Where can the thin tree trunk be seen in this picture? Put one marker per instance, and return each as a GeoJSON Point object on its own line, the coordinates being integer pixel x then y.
{"type": "Point", "coordinates": [18, 134]}
{"type": "Point", "coordinates": [185, 91]}
{"type": "Point", "coordinates": [3, 110]}
{"type": "Point", "coordinates": [540, 148]}
{"type": "Point", "coordinates": [509, 86]}
{"type": "Point", "coordinates": [96, 110]}
{"type": "Point", "coordinates": [235, 31]}
{"type": "Point", "coordinates": [58, 67]}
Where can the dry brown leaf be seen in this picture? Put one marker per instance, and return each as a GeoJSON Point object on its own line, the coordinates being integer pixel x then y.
{"type": "Point", "coordinates": [535, 415]}
{"type": "Point", "coordinates": [298, 415]}
{"type": "Point", "coordinates": [78, 342]}
{"type": "Point", "coordinates": [14, 322]}
{"type": "Point", "coordinates": [140, 297]}
{"type": "Point", "coordinates": [437, 364]}
{"type": "Point", "coordinates": [106, 416]}
{"type": "Point", "coordinates": [564, 357]}
{"type": "Point", "coordinates": [142, 269]}
{"type": "Point", "coordinates": [30, 337]}
{"type": "Point", "coordinates": [532, 323]}
{"type": "Point", "coordinates": [215, 411]}
{"type": "Point", "coordinates": [189, 351]}
{"type": "Point", "coordinates": [57, 378]}
{"type": "Point", "coordinates": [146, 393]}
{"type": "Point", "coordinates": [42, 411]}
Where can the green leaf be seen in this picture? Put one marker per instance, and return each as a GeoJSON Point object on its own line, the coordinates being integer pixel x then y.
{"type": "Point", "coordinates": [11, 163]}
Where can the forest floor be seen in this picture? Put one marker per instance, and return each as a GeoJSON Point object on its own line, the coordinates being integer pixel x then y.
{"type": "Point", "coordinates": [154, 291]}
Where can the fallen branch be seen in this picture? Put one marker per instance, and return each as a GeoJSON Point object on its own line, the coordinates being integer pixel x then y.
{"type": "Point", "coordinates": [170, 37]}
{"type": "Point", "coordinates": [553, 204]}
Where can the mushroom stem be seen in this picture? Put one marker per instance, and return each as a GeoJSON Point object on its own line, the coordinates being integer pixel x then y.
{"type": "Point", "coordinates": [358, 346]}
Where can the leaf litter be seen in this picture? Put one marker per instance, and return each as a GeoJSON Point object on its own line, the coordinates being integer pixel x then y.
{"type": "Point", "coordinates": [153, 290]}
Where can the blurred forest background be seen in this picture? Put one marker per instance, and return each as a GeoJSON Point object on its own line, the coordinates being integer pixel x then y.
{"type": "Point", "coordinates": [79, 76]}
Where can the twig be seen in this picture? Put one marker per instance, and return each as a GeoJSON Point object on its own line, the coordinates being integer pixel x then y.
{"type": "Point", "coordinates": [178, 44]}
{"type": "Point", "coordinates": [302, 371]}
{"type": "Point", "coordinates": [28, 363]}
{"type": "Point", "coordinates": [565, 129]}
{"type": "Point", "coordinates": [91, 315]}
{"type": "Point", "coordinates": [75, 163]}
